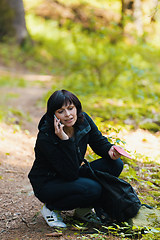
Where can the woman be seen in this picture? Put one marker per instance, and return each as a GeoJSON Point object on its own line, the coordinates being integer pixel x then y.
{"type": "Point", "coordinates": [64, 133]}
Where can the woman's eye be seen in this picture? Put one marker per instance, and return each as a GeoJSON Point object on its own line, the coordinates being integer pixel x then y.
{"type": "Point", "coordinates": [60, 111]}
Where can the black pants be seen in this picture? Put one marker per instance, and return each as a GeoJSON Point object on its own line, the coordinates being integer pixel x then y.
{"type": "Point", "coordinates": [60, 194]}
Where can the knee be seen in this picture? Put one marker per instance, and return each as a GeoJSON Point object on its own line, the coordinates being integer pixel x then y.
{"type": "Point", "coordinates": [119, 167]}
{"type": "Point", "coordinates": [93, 190]}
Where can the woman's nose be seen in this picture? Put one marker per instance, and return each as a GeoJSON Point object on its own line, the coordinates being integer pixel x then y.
{"type": "Point", "coordinates": [67, 113]}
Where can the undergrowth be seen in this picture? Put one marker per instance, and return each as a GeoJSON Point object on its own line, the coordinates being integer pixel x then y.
{"type": "Point", "coordinates": [117, 82]}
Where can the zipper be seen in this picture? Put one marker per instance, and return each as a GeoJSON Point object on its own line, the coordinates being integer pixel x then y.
{"type": "Point", "coordinates": [79, 153]}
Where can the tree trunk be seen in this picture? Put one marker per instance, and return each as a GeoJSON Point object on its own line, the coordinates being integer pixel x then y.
{"type": "Point", "coordinates": [126, 9]}
{"type": "Point", "coordinates": [12, 20]}
{"type": "Point", "coordinates": [137, 14]}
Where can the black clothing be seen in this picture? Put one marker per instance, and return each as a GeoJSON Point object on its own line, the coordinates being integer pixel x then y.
{"type": "Point", "coordinates": [62, 158]}
{"type": "Point", "coordinates": [60, 194]}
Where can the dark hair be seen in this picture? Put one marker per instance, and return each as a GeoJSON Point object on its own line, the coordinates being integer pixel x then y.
{"type": "Point", "coordinates": [60, 98]}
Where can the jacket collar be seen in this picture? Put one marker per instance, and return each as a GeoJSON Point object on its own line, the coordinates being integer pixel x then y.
{"type": "Point", "coordinates": [81, 129]}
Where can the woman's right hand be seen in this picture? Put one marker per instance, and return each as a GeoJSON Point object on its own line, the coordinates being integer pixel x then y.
{"type": "Point", "coordinates": [59, 130]}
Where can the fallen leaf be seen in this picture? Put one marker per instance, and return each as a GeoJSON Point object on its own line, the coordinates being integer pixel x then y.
{"type": "Point", "coordinates": [54, 234]}
{"type": "Point", "coordinates": [77, 227]}
{"type": "Point", "coordinates": [73, 229]}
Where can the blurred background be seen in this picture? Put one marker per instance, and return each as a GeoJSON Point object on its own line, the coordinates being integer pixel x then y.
{"type": "Point", "coordinates": [106, 52]}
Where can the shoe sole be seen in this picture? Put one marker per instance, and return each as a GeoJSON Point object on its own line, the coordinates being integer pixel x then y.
{"type": "Point", "coordinates": [52, 223]}
{"type": "Point", "coordinates": [86, 219]}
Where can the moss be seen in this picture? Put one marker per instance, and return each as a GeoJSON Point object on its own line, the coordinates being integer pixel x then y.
{"type": "Point", "coordinates": [146, 218]}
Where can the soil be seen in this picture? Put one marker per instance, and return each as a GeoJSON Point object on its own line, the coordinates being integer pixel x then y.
{"type": "Point", "coordinates": [20, 216]}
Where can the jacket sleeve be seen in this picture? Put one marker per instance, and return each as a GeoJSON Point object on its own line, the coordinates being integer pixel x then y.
{"type": "Point", "coordinates": [99, 143]}
{"type": "Point", "coordinates": [61, 157]}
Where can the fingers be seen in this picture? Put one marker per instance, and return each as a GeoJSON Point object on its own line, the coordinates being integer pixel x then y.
{"type": "Point", "coordinates": [113, 153]}
{"type": "Point", "coordinates": [57, 125]}
{"type": "Point", "coordinates": [59, 130]}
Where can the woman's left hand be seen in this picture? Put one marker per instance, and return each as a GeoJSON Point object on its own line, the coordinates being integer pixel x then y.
{"type": "Point", "coordinates": [113, 153]}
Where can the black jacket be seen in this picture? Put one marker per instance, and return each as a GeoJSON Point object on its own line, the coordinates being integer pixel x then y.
{"type": "Point", "coordinates": [62, 158]}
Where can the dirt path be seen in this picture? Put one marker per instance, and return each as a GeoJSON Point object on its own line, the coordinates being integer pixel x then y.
{"type": "Point", "coordinates": [20, 216]}
{"type": "Point", "coordinates": [18, 206]}
{"type": "Point", "coordinates": [26, 103]}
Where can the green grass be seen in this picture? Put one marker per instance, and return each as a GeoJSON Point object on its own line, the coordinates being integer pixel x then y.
{"type": "Point", "coordinates": [9, 81]}
{"type": "Point", "coordinates": [8, 114]}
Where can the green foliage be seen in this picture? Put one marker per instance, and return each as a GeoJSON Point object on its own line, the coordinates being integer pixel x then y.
{"type": "Point", "coordinates": [129, 173]}
{"type": "Point", "coordinates": [156, 175]}
{"type": "Point", "coordinates": [150, 126]}
{"type": "Point", "coordinates": [123, 231]}
{"type": "Point", "coordinates": [115, 79]}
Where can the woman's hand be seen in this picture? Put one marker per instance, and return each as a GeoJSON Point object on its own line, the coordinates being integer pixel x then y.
{"type": "Point", "coordinates": [113, 153]}
{"type": "Point", "coordinates": [59, 130]}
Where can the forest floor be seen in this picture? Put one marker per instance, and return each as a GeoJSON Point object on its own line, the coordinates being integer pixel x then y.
{"type": "Point", "coordinates": [20, 216]}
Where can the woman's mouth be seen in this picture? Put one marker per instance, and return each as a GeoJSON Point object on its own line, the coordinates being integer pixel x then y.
{"type": "Point", "coordinates": [69, 120]}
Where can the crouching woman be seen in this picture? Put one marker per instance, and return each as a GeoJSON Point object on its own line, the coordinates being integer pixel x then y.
{"type": "Point", "coordinates": [64, 133]}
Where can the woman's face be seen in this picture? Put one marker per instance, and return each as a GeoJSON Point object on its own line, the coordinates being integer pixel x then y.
{"type": "Point", "coordinates": [67, 114]}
